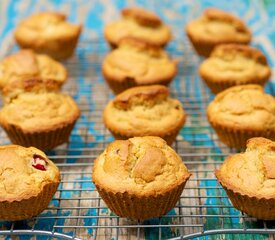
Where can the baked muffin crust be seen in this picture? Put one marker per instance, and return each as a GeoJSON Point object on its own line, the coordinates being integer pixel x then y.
{"type": "Point", "coordinates": [39, 112]}
{"type": "Point", "coordinates": [142, 166]}
{"type": "Point", "coordinates": [143, 111]}
{"type": "Point", "coordinates": [249, 179]}
{"type": "Point", "coordinates": [245, 107]}
{"type": "Point", "coordinates": [216, 27]}
{"type": "Point", "coordinates": [140, 178]}
{"type": "Point", "coordinates": [138, 23]}
{"type": "Point", "coordinates": [136, 62]}
{"type": "Point", "coordinates": [49, 33]}
{"type": "Point", "coordinates": [234, 64]}
{"type": "Point", "coordinates": [253, 172]}
{"type": "Point", "coordinates": [20, 177]}
{"type": "Point", "coordinates": [27, 71]}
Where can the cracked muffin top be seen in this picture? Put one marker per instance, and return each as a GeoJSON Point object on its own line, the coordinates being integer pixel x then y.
{"type": "Point", "coordinates": [31, 111]}
{"type": "Point", "coordinates": [217, 26]}
{"type": "Point", "coordinates": [234, 62]}
{"type": "Point", "coordinates": [49, 33]}
{"type": "Point", "coordinates": [140, 165]}
{"type": "Point", "coordinates": [251, 173]}
{"type": "Point", "coordinates": [24, 172]}
{"type": "Point", "coordinates": [140, 61]}
{"type": "Point", "coordinates": [138, 23]}
{"type": "Point", "coordinates": [145, 110]}
{"type": "Point", "coordinates": [245, 107]}
{"type": "Point", "coordinates": [28, 71]}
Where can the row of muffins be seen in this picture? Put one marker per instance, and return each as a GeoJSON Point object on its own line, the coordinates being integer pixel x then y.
{"type": "Point", "coordinates": [122, 163]}
{"type": "Point", "coordinates": [140, 172]}
{"type": "Point", "coordinates": [137, 61]}
{"type": "Point", "coordinates": [138, 178]}
{"type": "Point", "coordinates": [35, 112]}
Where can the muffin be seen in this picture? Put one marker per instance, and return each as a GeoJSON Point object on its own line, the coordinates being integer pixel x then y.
{"type": "Point", "coordinates": [42, 120]}
{"type": "Point", "coordinates": [26, 71]}
{"type": "Point", "coordinates": [234, 64]}
{"type": "Point", "coordinates": [138, 23]}
{"type": "Point", "coordinates": [49, 33]}
{"type": "Point", "coordinates": [144, 111]}
{"type": "Point", "coordinates": [216, 27]}
{"type": "Point", "coordinates": [242, 112]}
{"type": "Point", "coordinates": [248, 179]}
{"type": "Point", "coordinates": [140, 178]}
{"type": "Point", "coordinates": [28, 182]}
{"type": "Point", "coordinates": [136, 62]}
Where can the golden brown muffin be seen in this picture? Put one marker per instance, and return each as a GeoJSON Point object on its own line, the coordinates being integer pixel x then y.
{"type": "Point", "coordinates": [49, 33]}
{"type": "Point", "coordinates": [249, 179]}
{"type": "Point", "coordinates": [42, 120]}
{"type": "Point", "coordinates": [135, 63]}
{"type": "Point", "coordinates": [26, 71]}
{"type": "Point", "coordinates": [138, 23]}
{"type": "Point", "coordinates": [234, 64]}
{"type": "Point", "coordinates": [28, 181]}
{"type": "Point", "coordinates": [216, 27]}
{"type": "Point", "coordinates": [140, 178]}
{"type": "Point", "coordinates": [242, 112]}
{"type": "Point", "coordinates": [145, 111]}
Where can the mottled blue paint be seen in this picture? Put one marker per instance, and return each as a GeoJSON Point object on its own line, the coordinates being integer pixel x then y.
{"type": "Point", "coordinates": [10, 24]}
{"type": "Point", "coordinates": [166, 232]}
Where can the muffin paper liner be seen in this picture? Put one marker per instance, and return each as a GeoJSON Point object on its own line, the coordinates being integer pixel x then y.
{"type": "Point", "coordinates": [169, 137]}
{"type": "Point", "coordinates": [118, 87]}
{"type": "Point", "coordinates": [237, 138]}
{"type": "Point", "coordinates": [202, 48]}
{"type": "Point", "coordinates": [217, 87]}
{"type": "Point", "coordinates": [44, 140]}
{"type": "Point", "coordinates": [260, 208]}
{"type": "Point", "coordinates": [141, 208]}
{"type": "Point", "coordinates": [27, 208]}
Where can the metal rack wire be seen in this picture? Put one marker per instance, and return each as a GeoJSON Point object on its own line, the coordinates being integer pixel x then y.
{"type": "Point", "coordinates": [78, 212]}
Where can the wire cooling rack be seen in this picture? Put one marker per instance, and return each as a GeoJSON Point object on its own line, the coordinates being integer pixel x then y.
{"type": "Point", "coordinates": [78, 212]}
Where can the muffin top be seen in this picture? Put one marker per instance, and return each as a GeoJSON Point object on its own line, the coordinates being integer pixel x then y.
{"type": "Point", "coordinates": [38, 112]}
{"type": "Point", "coordinates": [253, 172]}
{"type": "Point", "coordinates": [46, 26]}
{"type": "Point", "coordinates": [216, 26]}
{"type": "Point", "coordinates": [139, 60]}
{"type": "Point", "coordinates": [139, 23]}
{"type": "Point", "coordinates": [28, 71]}
{"type": "Point", "coordinates": [140, 165]}
{"type": "Point", "coordinates": [245, 107]}
{"type": "Point", "coordinates": [235, 62]}
{"type": "Point", "coordinates": [146, 110]}
{"type": "Point", "coordinates": [24, 172]}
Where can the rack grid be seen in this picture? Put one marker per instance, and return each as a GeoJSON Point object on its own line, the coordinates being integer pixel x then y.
{"type": "Point", "coordinates": [78, 212]}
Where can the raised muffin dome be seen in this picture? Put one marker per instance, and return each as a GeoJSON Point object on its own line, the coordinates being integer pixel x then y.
{"type": "Point", "coordinates": [242, 112]}
{"type": "Point", "coordinates": [28, 181]}
{"type": "Point", "coordinates": [138, 23]}
{"type": "Point", "coordinates": [216, 27]}
{"type": "Point", "coordinates": [43, 120]}
{"type": "Point", "coordinates": [249, 179]}
{"type": "Point", "coordinates": [136, 62]}
{"type": "Point", "coordinates": [49, 33]}
{"type": "Point", "coordinates": [140, 178]}
{"type": "Point", "coordinates": [28, 71]}
{"type": "Point", "coordinates": [234, 64]}
{"type": "Point", "coordinates": [32, 112]}
{"type": "Point", "coordinates": [145, 111]}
